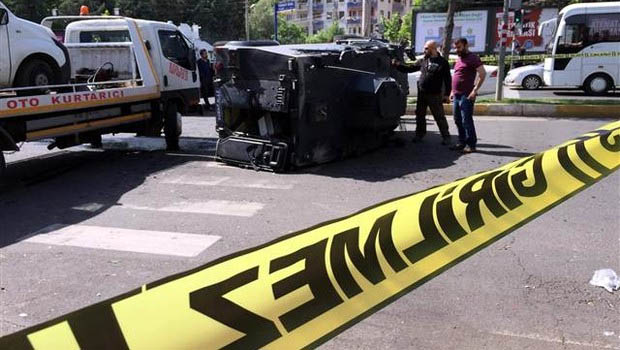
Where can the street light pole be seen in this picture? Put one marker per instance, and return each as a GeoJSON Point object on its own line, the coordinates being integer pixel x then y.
{"type": "Point", "coordinates": [502, 54]}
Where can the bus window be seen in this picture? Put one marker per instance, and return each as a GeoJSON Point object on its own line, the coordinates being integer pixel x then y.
{"type": "Point", "coordinates": [575, 36]}
{"type": "Point", "coordinates": [604, 27]}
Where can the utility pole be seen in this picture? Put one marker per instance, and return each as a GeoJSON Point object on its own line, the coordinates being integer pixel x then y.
{"type": "Point", "coordinates": [247, 20]}
{"type": "Point", "coordinates": [311, 16]}
{"type": "Point", "coordinates": [502, 54]}
{"type": "Point", "coordinates": [365, 19]}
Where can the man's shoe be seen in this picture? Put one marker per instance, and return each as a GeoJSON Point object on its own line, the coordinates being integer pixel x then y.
{"type": "Point", "coordinates": [417, 139]}
{"type": "Point", "coordinates": [457, 147]}
{"type": "Point", "coordinates": [445, 141]}
{"type": "Point", "coordinates": [469, 149]}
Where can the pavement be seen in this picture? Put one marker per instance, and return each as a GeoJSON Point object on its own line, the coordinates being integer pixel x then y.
{"type": "Point", "coordinates": [528, 290]}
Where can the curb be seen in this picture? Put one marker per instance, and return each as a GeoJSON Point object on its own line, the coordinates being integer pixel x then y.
{"type": "Point", "coordinates": [536, 110]}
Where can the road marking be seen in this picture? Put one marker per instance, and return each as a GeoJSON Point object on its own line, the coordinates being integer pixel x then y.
{"type": "Point", "coordinates": [127, 240]}
{"type": "Point", "coordinates": [155, 143]}
{"type": "Point", "coordinates": [555, 340]}
{"type": "Point", "coordinates": [215, 207]}
{"type": "Point", "coordinates": [89, 207]}
{"type": "Point", "coordinates": [227, 181]}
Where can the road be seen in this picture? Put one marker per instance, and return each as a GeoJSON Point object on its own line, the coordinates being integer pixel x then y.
{"type": "Point", "coordinates": [528, 290]}
{"type": "Point", "coordinates": [556, 94]}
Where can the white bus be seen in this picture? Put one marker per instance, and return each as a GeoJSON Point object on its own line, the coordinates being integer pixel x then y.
{"type": "Point", "coordinates": [588, 29]}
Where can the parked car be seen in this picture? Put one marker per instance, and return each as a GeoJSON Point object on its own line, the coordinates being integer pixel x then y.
{"type": "Point", "coordinates": [529, 77]}
{"type": "Point", "coordinates": [30, 54]}
{"type": "Point", "coordinates": [488, 86]}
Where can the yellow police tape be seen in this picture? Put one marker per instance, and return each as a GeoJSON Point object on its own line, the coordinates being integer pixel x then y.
{"type": "Point", "coordinates": [302, 289]}
{"type": "Point", "coordinates": [509, 57]}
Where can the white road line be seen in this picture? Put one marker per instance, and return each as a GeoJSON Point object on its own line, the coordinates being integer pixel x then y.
{"type": "Point", "coordinates": [540, 337]}
{"type": "Point", "coordinates": [197, 181]}
{"type": "Point", "coordinates": [215, 207]}
{"type": "Point", "coordinates": [89, 207]}
{"type": "Point", "coordinates": [227, 181]}
{"type": "Point", "coordinates": [111, 238]}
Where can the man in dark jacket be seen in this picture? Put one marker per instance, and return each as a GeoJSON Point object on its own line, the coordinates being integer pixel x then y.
{"type": "Point", "coordinates": [434, 87]}
{"type": "Point", "coordinates": [206, 77]}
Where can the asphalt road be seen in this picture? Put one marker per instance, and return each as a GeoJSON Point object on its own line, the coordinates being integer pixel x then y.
{"type": "Point", "coordinates": [557, 94]}
{"type": "Point", "coordinates": [528, 290]}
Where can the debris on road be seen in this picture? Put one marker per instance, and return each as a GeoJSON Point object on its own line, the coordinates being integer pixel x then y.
{"type": "Point", "coordinates": [606, 278]}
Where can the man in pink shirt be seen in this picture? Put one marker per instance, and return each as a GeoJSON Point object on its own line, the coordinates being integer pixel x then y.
{"type": "Point", "coordinates": [465, 88]}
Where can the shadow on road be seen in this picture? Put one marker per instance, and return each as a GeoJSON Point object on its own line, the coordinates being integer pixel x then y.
{"type": "Point", "coordinates": [394, 161]}
{"type": "Point", "coordinates": [39, 192]}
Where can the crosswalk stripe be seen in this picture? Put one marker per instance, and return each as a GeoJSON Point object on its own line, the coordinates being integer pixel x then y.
{"type": "Point", "coordinates": [215, 207]}
{"type": "Point", "coordinates": [226, 181]}
{"type": "Point", "coordinates": [127, 240]}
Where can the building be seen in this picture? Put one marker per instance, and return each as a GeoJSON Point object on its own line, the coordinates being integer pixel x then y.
{"type": "Point", "coordinates": [314, 15]}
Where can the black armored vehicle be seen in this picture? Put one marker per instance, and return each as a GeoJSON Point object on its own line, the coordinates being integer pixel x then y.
{"type": "Point", "coordinates": [284, 106]}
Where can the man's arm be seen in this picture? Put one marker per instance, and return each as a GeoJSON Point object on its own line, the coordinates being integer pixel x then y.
{"type": "Point", "coordinates": [482, 74]}
{"type": "Point", "coordinates": [407, 68]}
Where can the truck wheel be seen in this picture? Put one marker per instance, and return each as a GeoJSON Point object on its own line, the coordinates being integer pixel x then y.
{"type": "Point", "coordinates": [597, 84]}
{"type": "Point", "coordinates": [35, 73]}
{"type": "Point", "coordinates": [172, 126]}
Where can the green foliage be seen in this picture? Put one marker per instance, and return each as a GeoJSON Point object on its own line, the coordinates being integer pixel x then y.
{"type": "Point", "coordinates": [397, 29]}
{"type": "Point", "coordinates": [261, 20]}
{"type": "Point", "coordinates": [290, 33]}
{"type": "Point", "coordinates": [325, 35]}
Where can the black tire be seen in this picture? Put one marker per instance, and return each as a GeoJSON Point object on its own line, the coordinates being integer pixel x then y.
{"type": "Point", "coordinates": [597, 84]}
{"type": "Point", "coordinates": [35, 72]}
{"type": "Point", "coordinates": [531, 82]}
{"type": "Point", "coordinates": [172, 129]}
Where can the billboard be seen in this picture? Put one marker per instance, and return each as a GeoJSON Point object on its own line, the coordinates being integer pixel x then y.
{"type": "Point", "coordinates": [471, 25]}
{"type": "Point", "coordinates": [528, 37]}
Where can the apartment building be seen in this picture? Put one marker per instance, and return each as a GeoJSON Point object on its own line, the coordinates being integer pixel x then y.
{"type": "Point", "coordinates": [314, 15]}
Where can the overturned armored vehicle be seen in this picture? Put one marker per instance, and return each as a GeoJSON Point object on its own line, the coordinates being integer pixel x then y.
{"type": "Point", "coordinates": [294, 105]}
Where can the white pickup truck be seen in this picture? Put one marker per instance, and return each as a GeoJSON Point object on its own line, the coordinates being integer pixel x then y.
{"type": "Point", "coordinates": [126, 75]}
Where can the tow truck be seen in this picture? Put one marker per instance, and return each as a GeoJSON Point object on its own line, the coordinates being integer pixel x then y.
{"type": "Point", "coordinates": [152, 83]}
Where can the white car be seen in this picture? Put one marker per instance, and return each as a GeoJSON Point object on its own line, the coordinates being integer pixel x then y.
{"type": "Point", "coordinates": [30, 54]}
{"type": "Point", "coordinates": [488, 86]}
{"type": "Point", "coordinates": [529, 77]}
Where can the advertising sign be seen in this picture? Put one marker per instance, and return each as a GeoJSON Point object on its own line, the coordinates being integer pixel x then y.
{"type": "Point", "coordinates": [471, 25]}
{"type": "Point", "coordinates": [527, 36]}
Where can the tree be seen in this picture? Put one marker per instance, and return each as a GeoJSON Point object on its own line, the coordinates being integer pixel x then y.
{"type": "Point", "coordinates": [290, 33]}
{"type": "Point", "coordinates": [261, 20]}
{"type": "Point", "coordinates": [405, 28]}
{"type": "Point", "coordinates": [449, 27]}
{"type": "Point", "coordinates": [220, 19]}
{"type": "Point", "coordinates": [397, 29]}
{"type": "Point", "coordinates": [326, 35]}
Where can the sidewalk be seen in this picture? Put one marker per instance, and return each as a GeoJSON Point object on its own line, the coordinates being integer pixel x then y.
{"type": "Point", "coordinates": [537, 110]}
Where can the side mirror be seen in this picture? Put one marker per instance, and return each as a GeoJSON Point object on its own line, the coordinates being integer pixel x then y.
{"type": "Point", "coordinates": [4, 17]}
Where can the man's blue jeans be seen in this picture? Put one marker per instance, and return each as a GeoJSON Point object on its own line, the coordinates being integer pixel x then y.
{"type": "Point", "coordinates": [463, 110]}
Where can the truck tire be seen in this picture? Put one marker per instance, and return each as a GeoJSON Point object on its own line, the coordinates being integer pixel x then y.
{"type": "Point", "coordinates": [35, 72]}
{"type": "Point", "coordinates": [172, 126]}
{"type": "Point", "coordinates": [597, 84]}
